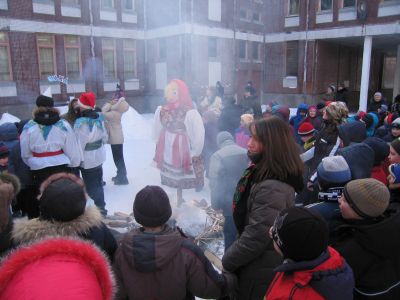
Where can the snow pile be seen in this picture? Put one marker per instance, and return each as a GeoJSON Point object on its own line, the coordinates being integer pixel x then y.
{"type": "Point", "coordinates": [6, 117]}
{"type": "Point", "coordinates": [134, 125]}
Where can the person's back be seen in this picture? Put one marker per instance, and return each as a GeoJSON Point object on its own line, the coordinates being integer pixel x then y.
{"type": "Point", "coordinates": [230, 115]}
{"type": "Point", "coordinates": [159, 262]}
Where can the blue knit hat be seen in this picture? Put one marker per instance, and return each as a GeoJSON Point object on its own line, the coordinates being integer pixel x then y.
{"type": "Point", "coordinates": [4, 151]}
{"type": "Point", "coordinates": [333, 172]}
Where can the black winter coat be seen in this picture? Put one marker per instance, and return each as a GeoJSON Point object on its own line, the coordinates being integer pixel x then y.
{"type": "Point", "coordinates": [360, 158]}
{"type": "Point", "coordinates": [229, 120]}
{"type": "Point", "coordinates": [374, 106]}
{"type": "Point", "coordinates": [343, 96]}
{"type": "Point", "coordinates": [255, 104]}
{"type": "Point", "coordinates": [371, 248]}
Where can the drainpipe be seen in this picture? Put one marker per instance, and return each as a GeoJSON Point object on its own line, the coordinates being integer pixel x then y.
{"type": "Point", "coordinates": [305, 54]}
{"type": "Point", "coordinates": [146, 67]}
{"type": "Point", "coordinates": [94, 72]}
{"type": "Point", "coordinates": [234, 51]}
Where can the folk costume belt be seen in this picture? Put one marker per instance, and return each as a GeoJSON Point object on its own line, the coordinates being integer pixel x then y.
{"type": "Point", "coordinates": [47, 154]}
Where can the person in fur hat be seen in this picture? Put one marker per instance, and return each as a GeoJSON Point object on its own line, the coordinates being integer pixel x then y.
{"type": "Point", "coordinates": [71, 115]}
{"type": "Point", "coordinates": [57, 268]}
{"type": "Point", "coordinates": [48, 143]}
{"type": "Point", "coordinates": [63, 213]}
{"type": "Point", "coordinates": [91, 136]}
{"type": "Point", "coordinates": [9, 187]}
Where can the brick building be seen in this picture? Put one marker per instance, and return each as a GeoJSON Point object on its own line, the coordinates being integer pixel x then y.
{"type": "Point", "coordinates": [292, 50]}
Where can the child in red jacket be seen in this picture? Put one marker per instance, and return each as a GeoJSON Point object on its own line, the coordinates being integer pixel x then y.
{"type": "Point", "coordinates": [311, 269]}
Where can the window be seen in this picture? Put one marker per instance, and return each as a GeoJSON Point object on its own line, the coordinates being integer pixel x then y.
{"type": "Point", "coordinates": [72, 56]}
{"type": "Point", "coordinates": [326, 4]}
{"type": "Point", "coordinates": [5, 62]}
{"type": "Point", "coordinates": [107, 3]}
{"type": "Point", "coordinates": [242, 49]}
{"type": "Point", "coordinates": [128, 4]}
{"type": "Point", "coordinates": [47, 55]}
{"type": "Point", "coordinates": [256, 51]}
{"type": "Point", "coordinates": [109, 59]}
{"type": "Point", "coordinates": [70, 1]}
{"type": "Point", "coordinates": [257, 17]}
{"type": "Point", "coordinates": [212, 47]}
{"type": "Point", "coordinates": [292, 58]}
{"type": "Point", "coordinates": [349, 3]}
{"type": "Point", "coordinates": [130, 58]}
{"type": "Point", "coordinates": [244, 14]}
{"type": "Point", "coordinates": [162, 48]}
{"type": "Point", "coordinates": [294, 7]}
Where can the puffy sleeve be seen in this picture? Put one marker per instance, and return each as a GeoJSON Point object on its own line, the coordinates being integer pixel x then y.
{"type": "Point", "coordinates": [195, 132]}
{"type": "Point", "coordinates": [71, 148]}
{"type": "Point", "coordinates": [157, 126]}
{"type": "Point", "coordinates": [26, 152]}
{"type": "Point", "coordinates": [104, 136]}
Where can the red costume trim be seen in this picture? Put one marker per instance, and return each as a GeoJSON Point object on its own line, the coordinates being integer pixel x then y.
{"type": "Point", "coordinates": [47, 154]}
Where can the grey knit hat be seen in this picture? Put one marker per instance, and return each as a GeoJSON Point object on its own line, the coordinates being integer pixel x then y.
{"type": "Point", "coordinates": [151, 207]}
{"type": "Point", "coordinates": [222, 137]}
{"type": "Point", "coordinates": [368, 197]}
{"type": "Point", "coordinates": [333, 172]}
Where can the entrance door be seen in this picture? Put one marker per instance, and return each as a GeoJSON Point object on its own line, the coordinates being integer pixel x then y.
{"type": "Point", "coordinates": [256, 79]}
{"type": "Point", "coordinates": [241, 84]}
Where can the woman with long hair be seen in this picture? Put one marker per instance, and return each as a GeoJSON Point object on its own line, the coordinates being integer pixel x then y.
{"type": "Point", "coordinates": [266, 188]}
{"type": "Point", "coordinates": [211, 102]}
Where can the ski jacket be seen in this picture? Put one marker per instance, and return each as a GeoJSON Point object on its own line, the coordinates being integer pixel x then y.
{"type": "Point", "coordinates": [242, 137]}
{"type": "Point", "coordinates": [113, 114]}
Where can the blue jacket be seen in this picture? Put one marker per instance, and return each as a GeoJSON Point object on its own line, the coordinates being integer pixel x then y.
{"type": "Point", "coordinates": [9, 135]}
{"type": "Point", "coordinates": [294, 121]}
{"type": "Point", "coordinates": [371, 130]}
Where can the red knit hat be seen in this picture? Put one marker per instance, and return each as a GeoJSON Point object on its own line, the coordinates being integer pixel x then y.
{"type": "Point", "coordinates": [327, 103]}
{"type": "Point", "coordinates": [87, 100]}
{"type": "Point", "coordinates": [306, 129]}
{"type": "Point", "coordinates": [362, 113]}
{"type": "Point", "coordinates": [391, 118]}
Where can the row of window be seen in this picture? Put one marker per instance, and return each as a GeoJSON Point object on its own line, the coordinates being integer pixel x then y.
{"type": "Point", "coordinates": [126, 4]}
{"type": "Point", "coordinates": [72, 46]}
{"type": "Point", "coordinates": [245, 15]}
{"type": "Point", "coordinates": [294, 5]}
{"type": "Point", "coordinates": [243, 49]}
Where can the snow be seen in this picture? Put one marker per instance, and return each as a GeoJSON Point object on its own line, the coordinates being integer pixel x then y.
{"type": "Point", "coordinates": [6, 117]}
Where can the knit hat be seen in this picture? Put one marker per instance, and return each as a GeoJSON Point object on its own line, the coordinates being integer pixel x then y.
{"type": "Point", "coordinates": [391, 118]}
{"type": "Point", "coordinates": [300, 233]}
{"type": "Point", "coordinates": [4, 151]}
{"type": "Point", "coordinates": [272, 103]}
{"type": "Point", "coordinates": [312, 107]}
{"type": "Point", "coordinates": [250, 89]}
{"type": "Point", "coordinates": [87, 100]}
{"type": "Point", "coordinates": [222, 137]}
{"type": "Point", "coordinates": [362, 114]}
{"type": "Point", "coordinates": [62, 197]}
{"type": "Point", "coordinates": [248, 110]}
{"type": "Point", "coordinates": [337, 110]}
{"type": "Point", "coordinates": [333, 88]}
{"type": "Point", "coordinates": [151, 207]}
{"type": "Point", "coordinates": [368, 120]}
{"type": "Point", "coordinates": [396, 145]}
{"type": "Point", "coordinates": [378, 94]}
{"type": "Point", "coordinates": [247, 119]}
{"type": "Point", "coordinates": [368, 197]}
{"type": "Point", "coordinates": [283, 111]}
{"type": "Point", "coordinates": [327, 103]}
{"type": "Point", "coordinates": [306, 129]}
{"type": "Point", "coordinates": [210, 116]}
{"type": "Point", "coordinates": [394, 170]}
{"type": "Point", "coordinates": [380, 147]}
{"type": "Point", "coordinates": [384, 108]}
{"type": "Point", "coordinates": [333, 172]}
{"type": "Point", "coordinates": [42, 101]}
{"type": "Point", "coordinates": [320, 106]}
{"type": "Point", "coordinates": [396, 123]}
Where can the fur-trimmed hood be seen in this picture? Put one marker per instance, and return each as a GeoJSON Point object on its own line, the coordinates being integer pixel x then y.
{"type": "Point", "coordinates": [46, 115]}
{"type": "Point", "coordinates": [28, 231]}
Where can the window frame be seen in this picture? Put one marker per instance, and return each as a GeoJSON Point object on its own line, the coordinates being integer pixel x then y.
{"type": "Point", "coordinates": [78, 46]}
{"type": "Point", "coordinates": [258, 51]}
{"type": "Point", "coordinates": [260, 21]}
{"type": "Point", "coordinates": [288, 10]}
{"type": "Point", "coordinates": [320, 6]}
{"type": "Point", "coordinates": [286, 58]}
{"type": "Point", "coordinates": [125, 9]}
{"type": "Point", "coordinates": [342, 4]}
{"type": "Point", "coordinates": [248, 12]}
{"type": "Point", "coordinates": [70, 1]}
{"type": "Point", "coordinates": [114, 48]}
{"type": "Point", "coordinates": [246, 50]}
{"type": "Point", "coordinates": [46, 46]}
{"type": "Point", "coordinates": [130, 49]}
{"type": "Point", "coordinates": [7, 44]}
{"type": "Point", "coordinates": [113, 4]}
{"type": "Point", "coordinates": [217, 52]}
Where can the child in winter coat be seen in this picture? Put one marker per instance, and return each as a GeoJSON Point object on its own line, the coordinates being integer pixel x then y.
{"type": "Point", "coordinates": [370, 239]}
{"type": "Point", "coordinates": [311, 269]}
{"type": "Point", "coordinates": [294, 121]}
{"type": "Point", "coordinates": [242, 134]}
{"type": "Point", "coordinates": [394, 132]}
{"type": "Point", "coordinates": [312, 118]}
{"type": "Point", "coordinates": [381, 152]}
{"type": "Point", "coordinates": [4, 155]}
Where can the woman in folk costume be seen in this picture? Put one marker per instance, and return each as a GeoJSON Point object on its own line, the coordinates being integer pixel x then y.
{"type": "Point", "coordinates": [178, 131]}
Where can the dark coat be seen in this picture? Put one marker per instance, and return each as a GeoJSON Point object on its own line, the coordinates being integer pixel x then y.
{"type": "Point", "coordinates": [371, 248]}
{"type": "Point", "coordinates": [220, 91]}
{"type": "Point", "coordinates": [295, 121]}
{"type": "Point", "coordinates": [360, 158]}
{"type": "Point", "coordinates": [22, 171]}
{"type": "Point", "coordinates": [383, 130]}
{"type": "Point", "coordinates": [252, 255]}
{"type": "Point", "coordinates": [254, 103]}
{"type": "Point", "coordinates": [229, 119]}
{"type": "Point", "coordinates": [374, 106]}
{"type": "Point", "coordinates": [352, 132]}
{"type": "Point", "coordinates": [9, 135]}
{"type": "Point", "coordinates": [166, 266]}
{"type": "Point", "coordinates": [343, 96]}
{"type": "Point", "coordinates": [389, 137]}
{"type": "Point", "coordinates": [226, 168]}
{"type": "Point", "coordinates": [87, 226]}
{"type": "Point", "coordinates": [210, 142]}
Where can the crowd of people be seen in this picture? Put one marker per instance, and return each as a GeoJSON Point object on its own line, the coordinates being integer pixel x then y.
{"type": "Point", "coordinates": [310, 202]}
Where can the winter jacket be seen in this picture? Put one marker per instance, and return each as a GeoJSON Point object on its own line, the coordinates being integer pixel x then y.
{"type": "Point", "coordinates": [371, 248]}
{"type": "Point", "coordinates": [360, 158]}
{"type": "Point", "coordinates": [284, 113]}
{"type": "Point", "coordinates": [9, 135]}
{"type": "Point", "coordinates": [352, 132]}
{"type": "Point", "coordinates": [371, 129]}
{"type": "Point", "coordinates": [252, 255]}
{"type": "Point", "coordinates": [294, 121]}
{"type": "Point", "coordinates": [118, 95]}
{"type": "Point", "coordinates": [343, 96]}
{"type": "Point", "coordinates": [316, 122]}
{"type": "Point", "coordinates": [226, 168]}
{"type": "Point", "coordinates": [328, 97]}
{"type": "Point", "coordinates": [87, 226]}
{"type": "Point", "coordinates": [374, 106]}
{"type": "Point", "coordinates": [113, 114]}
{"type": "Point", "coordinates": [378, 174]}
{"type": "Point", "coordinates": [166, 266]}
{"type": "Point", "coordinates": [21, 170]}
{"type": "Point", "coordinates": [57, 268]}
{"type": "Point", "coordinates": [210, 142]}
{"type": "Point", "coordinates": [384, 130]}
{"type": "Point", "coordinates": [229, 119]}
{"type": "Point", "coordinates": [70, 115]}
{"type": "Point", "coordinates": [327, 277]}
{"type": "Point", "coordinates": [254, 103]}
{"type": "Point", "coordinates": [242, 137]}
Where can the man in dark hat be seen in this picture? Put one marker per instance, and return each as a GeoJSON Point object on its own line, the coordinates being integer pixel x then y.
{"type": "Point", "coordinates": [119, 93]}
{"type": "Point", "coordinates": [251, 100]}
